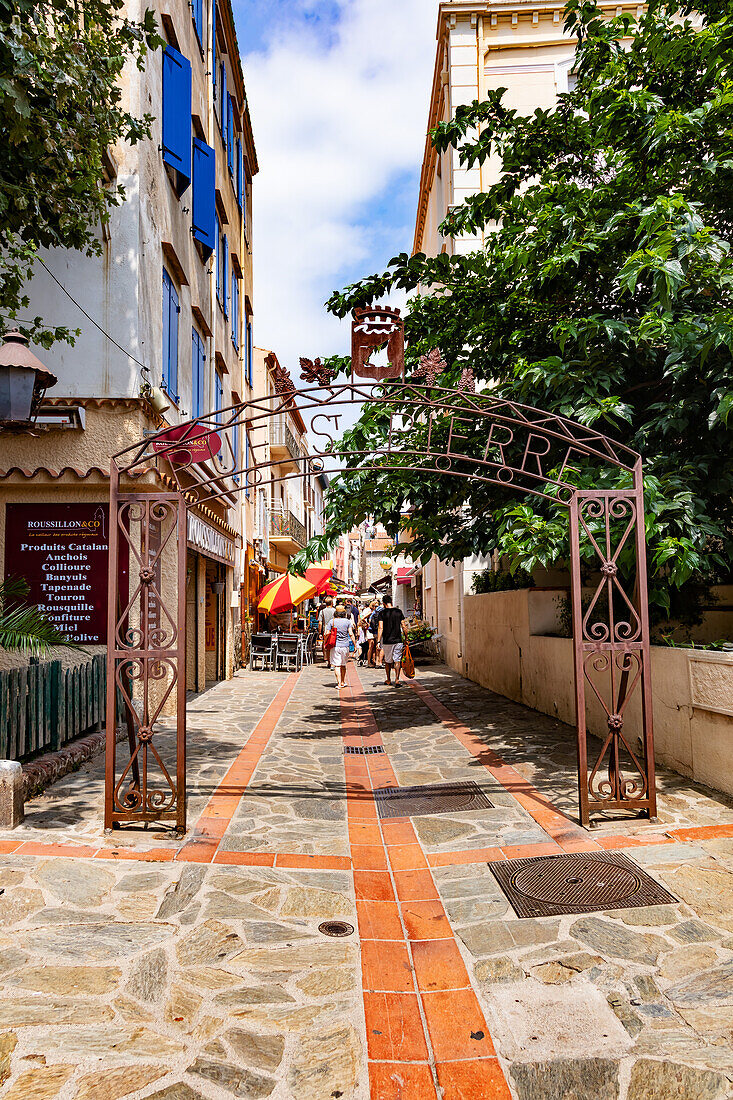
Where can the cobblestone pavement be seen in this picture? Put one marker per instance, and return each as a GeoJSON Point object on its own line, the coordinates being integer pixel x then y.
{"type": "Point", "coordinates": [141, 967]}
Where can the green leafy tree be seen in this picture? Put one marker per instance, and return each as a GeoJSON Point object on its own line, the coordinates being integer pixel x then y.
{"type": "Point", "coordinates": [22, 626]}
{"type": "Point", "coordinates": [603, 291]}
{"type": "Point", "coordinates": [61, 108]}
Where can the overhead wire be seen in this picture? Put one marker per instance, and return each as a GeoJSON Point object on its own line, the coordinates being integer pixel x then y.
{"type": "Point", "coordinates": [90, 318]}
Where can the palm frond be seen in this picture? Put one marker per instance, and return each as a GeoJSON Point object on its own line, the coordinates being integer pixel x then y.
{"type": "Point", "coordinates": [22, 628]}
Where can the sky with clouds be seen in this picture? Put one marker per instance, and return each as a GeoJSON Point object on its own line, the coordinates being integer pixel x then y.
{"type": "Point", "coordinates": [338, 93]}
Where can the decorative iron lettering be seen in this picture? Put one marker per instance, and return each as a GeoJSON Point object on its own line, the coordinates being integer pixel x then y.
{"type": "Point", "coordinates": [420, 427]}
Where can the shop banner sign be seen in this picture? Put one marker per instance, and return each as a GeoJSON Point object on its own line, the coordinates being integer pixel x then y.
{"type": "Point", "coordinates": [62, 551]}
{"type": "Point", "coordinates": [201, 444]}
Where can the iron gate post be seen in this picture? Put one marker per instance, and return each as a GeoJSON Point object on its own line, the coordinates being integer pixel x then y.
{"type": "Point", "coordinates": [576, 604]}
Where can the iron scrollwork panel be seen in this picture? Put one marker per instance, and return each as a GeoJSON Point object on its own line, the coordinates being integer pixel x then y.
{"type": "Point", "coordinates": [611, 638]}
{"type": "Point", "coordinates": [147, 659]}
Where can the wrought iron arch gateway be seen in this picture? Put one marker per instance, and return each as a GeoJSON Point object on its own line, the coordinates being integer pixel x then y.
{"type": "Point", "coordinates": [427, 428]}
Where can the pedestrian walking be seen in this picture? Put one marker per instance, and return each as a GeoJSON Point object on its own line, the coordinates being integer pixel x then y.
{"type": "Point", "coordinates": [365, 637]}
{"type": "Point", "coordinates": [343, 624]}
{"type": "Point", "coordinates": [373, 630]}
{"type": "Point", "coordinates": [391, 638]}
{"type": "Point", "coordinates": [325, 618]}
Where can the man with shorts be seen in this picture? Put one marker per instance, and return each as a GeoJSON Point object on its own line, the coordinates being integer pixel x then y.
{"type": "Point", "coordinates": [390, 638]}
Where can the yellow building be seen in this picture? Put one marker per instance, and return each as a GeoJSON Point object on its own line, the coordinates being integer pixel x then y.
{"type": "Point", "coordinates": [523, 47]}
{"type": "Point", "coordinates": [520, 46]}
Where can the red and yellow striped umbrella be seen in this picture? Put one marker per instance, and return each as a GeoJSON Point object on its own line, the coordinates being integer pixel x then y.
{"type": "Point", "coordinates": [284, 593]}
{"type": "Point", "coordinates": [320, 575]}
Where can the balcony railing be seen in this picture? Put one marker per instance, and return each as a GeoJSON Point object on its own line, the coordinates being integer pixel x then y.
{"type": "Point", "coordinates": [286, 525]}
{"type": "Point", "coordinates": [282, 436]}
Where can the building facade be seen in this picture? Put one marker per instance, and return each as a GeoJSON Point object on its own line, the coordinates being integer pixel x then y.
{"type": "Point", "coordinates": [289, 499]}
{"type": "Point", "coordinates": [165, 317]}
{"type": "Point", "coordinates": [520, 45]}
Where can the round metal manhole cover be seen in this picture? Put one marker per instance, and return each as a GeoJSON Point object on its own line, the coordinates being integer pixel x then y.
{"type": "Point", "coordinates": [564, 881]}
{"type": "Point", "coordinates": [336, 928]}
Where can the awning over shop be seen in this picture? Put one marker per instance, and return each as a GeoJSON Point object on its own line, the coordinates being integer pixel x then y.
{"type": "Point", "coordinates": [405, 574]}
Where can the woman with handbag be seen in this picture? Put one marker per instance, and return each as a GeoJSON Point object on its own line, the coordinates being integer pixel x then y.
{"type": "Point", "coordinates": [342, 633]}
{"type": "Point", "coordinates": [325, 618]}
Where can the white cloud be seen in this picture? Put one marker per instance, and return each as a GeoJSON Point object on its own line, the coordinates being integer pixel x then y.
{"type": "Point", "coordinates": [338, 121]}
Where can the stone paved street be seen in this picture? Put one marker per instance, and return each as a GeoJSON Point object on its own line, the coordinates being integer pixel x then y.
{"type": "Point", "coordinates": [141, 966]}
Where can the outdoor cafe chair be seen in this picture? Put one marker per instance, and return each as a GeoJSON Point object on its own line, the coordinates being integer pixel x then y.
{"type": "Point", "coordinates": [263, 650]}
{"type": "Point", "coordinates": [289, 654]}
{"type": "Point", "coordinates": [310, 647]}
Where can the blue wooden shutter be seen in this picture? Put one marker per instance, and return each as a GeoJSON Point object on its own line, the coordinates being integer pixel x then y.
{"type": "Point", "coordinates": [246, 464]}
{"type": "Point", "coordinates": [198, 19]}
{"type": "Point", "coordinates": [224, 280]}
{"type": "Point", "coordinates": [243, 204]}
{"type": "Point", "coordinates": [240, 174]}
{"type": "Point", "coordinates": [217, 245]}
{"type": "Point", "coordinates": [173, 369]}
{"type": "Point", "coordinates": [218, 395]}
{"type": "Point", "coordinates": [230, 135]}
{"type": "Point", "coordinates": [166, 327]}
{"type": "Point", "coordinates": [235, 310]}
{"type": "Point", "coordinates": [235, 448]}
{"type": "Point", "coordinates": [204, 199]}
{"type": "Point", "coordinates": [171, 309]}
{"type": "Point", "coordinates": [198, 372]}
{"type": "Point", "coordinates": [250, 349]}
{"type": "Point", "coordinates": [224, 101]}
{"type": "Point", "coordinates": [213, 45]}
{"type": "Point", "coordinates": [177, 118]}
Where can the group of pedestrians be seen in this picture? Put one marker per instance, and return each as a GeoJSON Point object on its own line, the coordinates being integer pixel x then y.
{"type": "Point", "coordinates": [375, 633]}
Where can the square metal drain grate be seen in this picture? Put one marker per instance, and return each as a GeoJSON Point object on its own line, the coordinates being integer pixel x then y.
{"type": "Point", "coordinates": [440, 798]}
{"type": "Point", "coordinates": [582, 882]}
{"type": "Point", "coordinates": [363, 750]}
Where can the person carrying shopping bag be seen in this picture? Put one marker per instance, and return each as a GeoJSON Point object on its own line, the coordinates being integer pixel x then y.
{"type": "Point", "coordinates": [343, 626]}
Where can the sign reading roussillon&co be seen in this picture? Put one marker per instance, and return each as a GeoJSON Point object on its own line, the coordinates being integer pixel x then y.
{"type": "Point", "coordinates": [62, 551]}
{"type": "Point", "coordinates": [201, 536]}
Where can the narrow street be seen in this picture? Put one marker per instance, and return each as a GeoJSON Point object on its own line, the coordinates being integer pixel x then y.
{"type": "Point", "coordinates": [137, 966]}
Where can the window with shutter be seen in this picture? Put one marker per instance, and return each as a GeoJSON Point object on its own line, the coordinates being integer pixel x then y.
{"type": "Point", "coordinates": [240, 174]}
{"type": "Point", "coordinates": [213, 46]}
{"type": "Point", "coordinates": [235, 448]}
{"type": "Point", "coordinates": [218, 395]}
{"type": "Point", "coordinates": [204, 199]}
{"type": "Point", "coordinates": [197, 11]}
{"type": "Point", "coordinates": [198, 374]}
{"type": "Point", "coordinates": [171, 309]}
{"type": "Point", "coordinates": [250, 349]}
{"type": "Point", "coordinates": [246, 464]}
{"type": "Point", "coordinates": [224, 101]}
{"type": "Point", "coordinates": [230, 136]}
{"type": "Point", "coordinates": [235, 310]}
{"type": "Point", "coordinates": [224, 277]}
{"type": "Point", "coordinates": [177, 118]}
{"type": "Point", "coordinates": [217, 258]}
{"type": "Point", "coordinates": [244, 195]}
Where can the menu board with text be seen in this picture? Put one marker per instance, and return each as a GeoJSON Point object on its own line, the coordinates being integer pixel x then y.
{"type": "Point", "coordinates": [62, 551]}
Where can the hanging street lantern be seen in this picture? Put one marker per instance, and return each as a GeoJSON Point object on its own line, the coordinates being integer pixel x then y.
{"type": "Point", "coordinates": [23, 380]}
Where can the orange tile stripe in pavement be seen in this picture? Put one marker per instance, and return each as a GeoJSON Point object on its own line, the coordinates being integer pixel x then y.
{"type": "Point", "coordinates": [426, 1032]}
{"type": "Point", "coordinates": [564, 834]}
{"type": "Point", "coordinates": [221, 807]}
{"type": "Point", "coordinates": [361, 808]}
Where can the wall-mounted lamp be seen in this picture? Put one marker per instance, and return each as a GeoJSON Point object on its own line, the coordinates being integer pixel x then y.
{"type": "Point", "coordinates": [23, 380]}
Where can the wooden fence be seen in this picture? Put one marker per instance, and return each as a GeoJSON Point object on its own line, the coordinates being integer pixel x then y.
{"type": "Point", "coordinates": [42, 706]}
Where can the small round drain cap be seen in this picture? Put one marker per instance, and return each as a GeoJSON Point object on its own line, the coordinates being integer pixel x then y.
{"type": "Point", "coordinates": [336, 928]}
